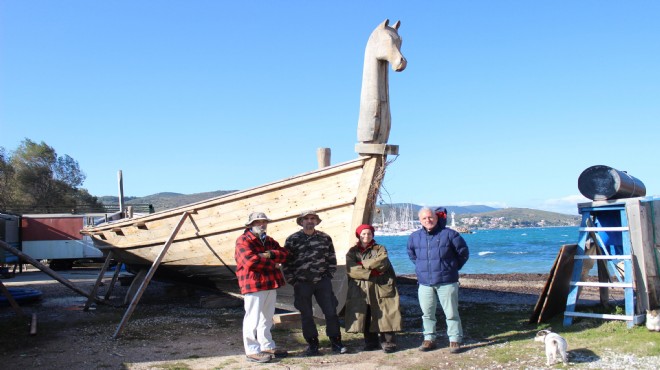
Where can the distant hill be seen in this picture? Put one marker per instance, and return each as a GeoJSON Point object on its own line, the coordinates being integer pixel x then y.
{"type": "Point", "coordinates": [516, 217]}
{"type": "Point", "coordinates": [484, 217]}
{"type": "Point", "coordinates": [163, 201]}
{"type": "Point", "coordinates": [473, 216]}
{"type": "Point", "coordinates": [459, 210]}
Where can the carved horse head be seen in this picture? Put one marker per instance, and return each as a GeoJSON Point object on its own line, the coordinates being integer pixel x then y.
{"type": "Point", "coordinates": [383, 47]}
{"type": "Point", "coordinates": [385, 43]}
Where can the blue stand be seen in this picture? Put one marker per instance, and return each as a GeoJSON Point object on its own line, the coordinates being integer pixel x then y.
{"type": "Point", "coordinates": [608, 228]}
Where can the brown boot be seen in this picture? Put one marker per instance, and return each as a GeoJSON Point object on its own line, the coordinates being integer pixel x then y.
{"type": "Point", "coordinates": [260, 357]}
{"type": "Point", "coordinates": [427, 345]}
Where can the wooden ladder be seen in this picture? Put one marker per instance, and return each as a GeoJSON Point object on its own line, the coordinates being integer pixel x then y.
{"type": "Point", "coordinates": [608, 228]}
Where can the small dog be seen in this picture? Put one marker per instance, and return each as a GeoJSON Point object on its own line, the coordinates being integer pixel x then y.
{"type": "Point", "coordinates": [653, 319]}
{"type": "Point", "coordinates": [555, 346]}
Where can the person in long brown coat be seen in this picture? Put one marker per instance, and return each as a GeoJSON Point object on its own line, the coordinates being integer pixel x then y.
{"type": "Point", "coordinates": [372, 301]}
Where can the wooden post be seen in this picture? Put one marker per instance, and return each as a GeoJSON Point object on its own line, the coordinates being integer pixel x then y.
{"type": "Point", "coordinates": [11, 300]}
{"type": "Point", "coordinates": [99, 279]}
{"type": "Point", "coordinates": [323, 157]}
{"type": "Point", "coordinates": [120, 178]}
{"type": "Point", "coordinates": [150, 274]}
{"type": "Point", "coordinates": [33, 325]}
{"type": "Point", "coordinates": [114, 281]}
{"type": "Point", "coordinates": [46, 270]}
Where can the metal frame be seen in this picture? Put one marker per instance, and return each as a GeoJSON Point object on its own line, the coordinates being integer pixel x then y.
{"type": "Point", "coordinates": [596, 229]}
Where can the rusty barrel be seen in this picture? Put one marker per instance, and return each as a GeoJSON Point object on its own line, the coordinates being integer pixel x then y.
{"type": "Point", "coordinates": [604, 182]}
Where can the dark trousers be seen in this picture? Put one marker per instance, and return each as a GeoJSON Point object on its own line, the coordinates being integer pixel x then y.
{"type": "Point", "coordinates": [372, 338]}
{"type": "Point", "coordinates": [325, 297]}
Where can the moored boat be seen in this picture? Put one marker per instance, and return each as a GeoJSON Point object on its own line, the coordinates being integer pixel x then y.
{"type": "Point", "coordinates": [202, 235]}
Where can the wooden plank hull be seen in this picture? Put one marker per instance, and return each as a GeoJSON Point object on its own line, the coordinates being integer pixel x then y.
{"type": "Point", "coordinates": [203, 250]}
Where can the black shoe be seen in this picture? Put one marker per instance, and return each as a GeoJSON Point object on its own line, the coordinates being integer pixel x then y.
{"type": "Point", "coordinates": [389, 347]}
{"type": "Point", "coordinates": [276, 352]}
{"type": "Point", "coordinates": [371, 347]}
{"type": "Point", "coordinates": [313, 348]}
{"type": "Point", "coordinates": [337, 346]}
{"type": "Point", "coordinates": [312, 351]}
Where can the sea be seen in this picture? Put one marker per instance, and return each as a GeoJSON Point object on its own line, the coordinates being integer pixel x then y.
{"type": "Point", "coordinates": [496, 251]}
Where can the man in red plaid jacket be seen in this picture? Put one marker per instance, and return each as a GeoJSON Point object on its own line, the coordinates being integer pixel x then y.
{"type": "Point", "coordinates": [258, 257]}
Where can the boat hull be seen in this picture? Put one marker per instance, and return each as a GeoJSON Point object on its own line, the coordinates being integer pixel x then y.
{"type": "Point", "coordinates": [202, 251]}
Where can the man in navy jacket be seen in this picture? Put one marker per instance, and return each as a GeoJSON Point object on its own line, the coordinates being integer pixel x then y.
{"type": "Point", "coordinates": [438, 253]}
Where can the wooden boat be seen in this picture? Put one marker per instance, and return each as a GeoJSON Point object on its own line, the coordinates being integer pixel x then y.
{"type": "Point", "coordinates": [202, 235]}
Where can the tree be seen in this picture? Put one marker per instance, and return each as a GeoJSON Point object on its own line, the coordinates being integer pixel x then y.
{"type": "Point", "coordinates": [6, 175]}
{"type": "Point", "coordinates": [36, 178]}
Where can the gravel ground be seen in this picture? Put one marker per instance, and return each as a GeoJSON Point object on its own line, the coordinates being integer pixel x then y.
{"type": "Point", "coordinates": [172, 329]}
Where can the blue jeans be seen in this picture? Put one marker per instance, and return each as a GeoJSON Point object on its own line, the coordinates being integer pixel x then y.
{"type": "Point", "coordinates": [447, 295]}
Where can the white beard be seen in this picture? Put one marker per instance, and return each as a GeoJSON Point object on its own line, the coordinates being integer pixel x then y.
{"type": "Point", "coordinates": [258, 230]}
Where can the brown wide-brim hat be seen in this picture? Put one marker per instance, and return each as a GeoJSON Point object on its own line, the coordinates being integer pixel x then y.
{"type": "Point", "coordinates": [307, 213]}
{"type": "Point", "coordinates": [254, 216]}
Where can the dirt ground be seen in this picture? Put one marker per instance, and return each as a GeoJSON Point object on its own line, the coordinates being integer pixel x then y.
{"type": "Point", "coordinates": [176, 328]}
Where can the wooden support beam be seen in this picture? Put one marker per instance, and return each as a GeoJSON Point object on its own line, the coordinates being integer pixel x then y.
{"type": "Point", "coordinates": [380, 149]}
{"type": "Point", "coordinates": [150, 274]}
{"type": "Point", "coordinates": [33, 325]}
{"type": "Point", "coordinates": [99, 279]}
{"type": "Point", "coordinates": [46, 270]}
{"type": "Point", "coordinates": [115, 276]}
{"type": "Point", "coordinates": [208, 245]}
{"type": "Point", "coordinates": [11, 300]}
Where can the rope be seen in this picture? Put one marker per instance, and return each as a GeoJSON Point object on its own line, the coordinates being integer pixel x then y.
{"type": "Point", "coordinates": [376, 193]}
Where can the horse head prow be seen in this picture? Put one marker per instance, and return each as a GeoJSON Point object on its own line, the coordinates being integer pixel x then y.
{"type": "Point", "coordinates": [383, 47]}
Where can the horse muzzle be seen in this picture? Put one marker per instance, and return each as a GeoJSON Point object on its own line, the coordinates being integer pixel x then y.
{"type": "Point", "coordinates": [401, 65]}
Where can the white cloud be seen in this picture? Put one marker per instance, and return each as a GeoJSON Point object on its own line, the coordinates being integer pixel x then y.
{"type": "Point", "coordinates": [567, 204]}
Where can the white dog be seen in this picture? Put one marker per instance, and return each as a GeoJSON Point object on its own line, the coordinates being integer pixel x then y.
{"type": "Point", "coordinates": [555, 346]}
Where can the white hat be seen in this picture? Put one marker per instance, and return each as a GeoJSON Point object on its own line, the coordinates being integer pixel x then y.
{"type": "Point", "coordinates": [254, 216]}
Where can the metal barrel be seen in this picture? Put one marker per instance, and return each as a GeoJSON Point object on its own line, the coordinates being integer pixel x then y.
{"type": "Point", "coordinates": [604, 182]}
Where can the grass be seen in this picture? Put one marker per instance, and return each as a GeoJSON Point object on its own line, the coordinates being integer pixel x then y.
{"type": "Point", "coordinates": [509, 336]}
{"type": "Point", "coordinates": [174, 366]}
{"type": "Point", "coordinates": [501, 336]}
{"type": "Point", "coordinates": [495, 336]}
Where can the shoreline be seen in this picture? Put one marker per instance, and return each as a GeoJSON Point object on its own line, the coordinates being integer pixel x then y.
{"type": "Point", "coordinates": [504, 289]}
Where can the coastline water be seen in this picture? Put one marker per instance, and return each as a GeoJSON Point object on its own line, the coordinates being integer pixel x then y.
{"type": "Point", "coordinates": [497, 251]}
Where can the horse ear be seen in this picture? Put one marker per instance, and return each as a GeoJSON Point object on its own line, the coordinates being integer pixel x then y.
{"type": "Point", "coordinates": [385, 23]}
{"type": "Point", "coordinates": [396, 25]}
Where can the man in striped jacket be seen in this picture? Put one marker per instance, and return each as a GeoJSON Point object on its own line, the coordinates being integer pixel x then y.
{"type": "Point", "coordinates": [258, 257]}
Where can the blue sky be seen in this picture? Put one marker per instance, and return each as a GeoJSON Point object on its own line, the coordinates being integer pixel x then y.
{"type": "Point", "coordinates": [503, 103]}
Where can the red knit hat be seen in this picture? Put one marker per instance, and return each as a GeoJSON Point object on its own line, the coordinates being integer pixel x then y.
{"type": "Point", "coordinates": [363, 227]}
